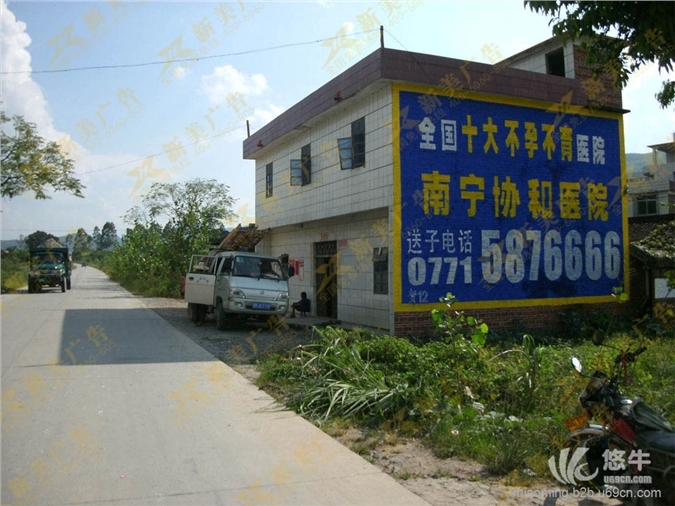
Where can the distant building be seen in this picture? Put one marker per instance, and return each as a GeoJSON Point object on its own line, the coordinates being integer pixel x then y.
{"type": "Point", "coordinates": [409, 176]}
{"type": "Point", "coordinates": [651, 206]}
{"type": "Point", "coordinates": [653, 192]}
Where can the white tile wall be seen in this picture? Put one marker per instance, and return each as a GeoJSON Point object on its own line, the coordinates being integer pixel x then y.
{"type": "Point", "coordinates": [537, 62]}
{"type": "Point", "coordinates": [332, 192]}
{"type": "Point", "coordinates": [356, 235]}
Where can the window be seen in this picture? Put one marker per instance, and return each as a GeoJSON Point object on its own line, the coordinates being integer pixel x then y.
{"type": "Point", "coordinates": [345, 147]}
{"type": "Point", "coordinates": [306, 159]}
{"type": "Point", "coordinates": [555, 63]}
{"type": "Point", "coordinates": [301, 170]}
{"type": "Point", "coordinates": [381, 271]}
{"type": "Point", "coordinates": [269, 180]}
{"type": "Point", "coordinates": [353, 149]}
{"type": "Point", "coordinates": [646, 205]}
{"type": "Point", "coordinates": [359, 142]}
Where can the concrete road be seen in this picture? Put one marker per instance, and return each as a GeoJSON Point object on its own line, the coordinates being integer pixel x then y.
{"type": "Point", "coordinates": [104, 402]}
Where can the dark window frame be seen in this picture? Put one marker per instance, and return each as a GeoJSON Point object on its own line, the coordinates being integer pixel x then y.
{"type": "Point", "coordinates": [296, 172]}
{"type": "Point", "coordinates": [647, 205]}
{"type": "Point", "coordinates": [345, 150]}
{"type": "Point", "coordinates": [301, 169]}
{"type": "Point", "coordinates": [269, 180]}
{"type": "Point", "coordinates": [381, 271]}
{"type": "Point", "coordinates": [352, 149]}
{"type": "Point", "coordinates": [306, 159]}
{"type": "Point", "coordinates": [555, 63]}
{"type": "Point", "coordinates": [359, 142]}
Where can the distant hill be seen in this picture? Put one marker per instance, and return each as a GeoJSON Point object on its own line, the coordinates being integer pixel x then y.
{"type": "Point", "coordinates": [9, 243]}
{"type": "Point", "coordinates": [636, 162]}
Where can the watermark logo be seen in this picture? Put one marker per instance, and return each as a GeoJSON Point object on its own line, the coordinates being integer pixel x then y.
{"type": "Point", "coordinates": [570, 470]}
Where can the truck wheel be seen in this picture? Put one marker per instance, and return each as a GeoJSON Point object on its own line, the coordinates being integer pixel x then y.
{"type": "Point", "coordinates": [68, 283]}
{"type": "Point", "coordinates": [63, 285]}
{"type": "Point", "coordinates": [192, 312]}
{"type": "Point", "coordinates": [201, 313]}
{"type": "Point", "coordinates": [221, 321]}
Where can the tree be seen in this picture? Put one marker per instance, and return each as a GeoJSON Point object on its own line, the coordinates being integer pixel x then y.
{"type": "Point", "coordinates": [642, 32]}
{"type": "Point", "coordinates": [81, 243]}
{"type": "Point", "coordinates": [30, 163]}
{"type": "Point", "coordinates": [38, 237]}
{"type": "Point", "coordinates": [173, 221]}
{"type": "Point", "coordinates": [204, 203]}
{"type": "Point", "coordinates": [108, 236]}
{"type": "Point", "coordinates": [96, 238]}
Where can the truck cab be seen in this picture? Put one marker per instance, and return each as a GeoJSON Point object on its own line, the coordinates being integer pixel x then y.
{"type": "Point", "coordinates": [49, 268]}
{"type": "Point", "coordinates": [236, 285]}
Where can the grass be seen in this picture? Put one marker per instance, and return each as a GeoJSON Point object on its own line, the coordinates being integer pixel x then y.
{"type": "Point", "coordinates": [14, 269]}
{"type": "Point", "coordinates": [15, 281]}
{"type": "Point", "coordinates": [499, 401]}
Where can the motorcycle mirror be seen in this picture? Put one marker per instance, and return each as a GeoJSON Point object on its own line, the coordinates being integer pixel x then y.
{"type": "Point", "coordinates": [598, 338]}
{"type": "Point", "coordinates": [577, 365]}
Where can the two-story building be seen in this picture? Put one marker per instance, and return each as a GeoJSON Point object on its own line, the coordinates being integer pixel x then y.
{"type": "Point", "coordinates": [410, 175]}
{"type": "Point", "coordinates": [651, 192]}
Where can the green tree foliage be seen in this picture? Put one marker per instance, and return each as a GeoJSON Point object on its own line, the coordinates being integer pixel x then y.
{"type": "Point", "coordinates": [14, 269]}
{"type": "Point", "coordinates": [108, 236]}
{"type": "Point", "coordinates": [96, 238]}
{"type": "Point", "coordinates": [173, 221]}
{"type": "Point", "coordinates": [80, 243]}
{"type": "Point", "coordinates": [30, 163]}
{"type": "Point", "coordinates": [35, 239]}
{"type": "Point", "coordinates": [82, 240]}
{"type": "Point", "coordinates": [620, 37]}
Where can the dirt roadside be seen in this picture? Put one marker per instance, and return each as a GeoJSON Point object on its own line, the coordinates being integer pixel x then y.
{"type": "Point", "coordinates": [440, 482]}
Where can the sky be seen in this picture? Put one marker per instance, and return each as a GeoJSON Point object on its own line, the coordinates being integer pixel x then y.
{"type": "Point", "coordinates": [138, 118]}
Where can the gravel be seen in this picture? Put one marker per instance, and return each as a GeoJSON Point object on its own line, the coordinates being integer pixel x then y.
{"type": "Point", "coordinates": [241, 345]}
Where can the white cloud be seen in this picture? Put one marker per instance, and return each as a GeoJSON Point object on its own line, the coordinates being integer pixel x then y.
{"type": "Point", "coordinates": [263, 116]}
{"type": "Point", "coordinates": [257, 120]}
{"type": "Point", "coordinates": [226, 80]}
{"type": "Point", "coordinates": [20, 94]}
{"type": "Point", "coordinates": [179, 72]}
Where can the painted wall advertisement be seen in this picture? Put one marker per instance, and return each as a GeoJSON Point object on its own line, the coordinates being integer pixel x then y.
{"type": "Point", "coordinates": [507, 202]}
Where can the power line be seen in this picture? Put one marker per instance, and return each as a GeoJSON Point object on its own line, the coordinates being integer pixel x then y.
{"type": "Point", "coordinates": [410, 53]}
{"type": "Point", "coordinates": [181, 60]}
{"type": "Point", "coordinates": [251, 51]}
{"type": "Point", "coordinates": [137, 160]}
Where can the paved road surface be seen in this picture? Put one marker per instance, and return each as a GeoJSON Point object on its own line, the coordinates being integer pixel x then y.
{"type": "Point", "coordinates": [104, 402]}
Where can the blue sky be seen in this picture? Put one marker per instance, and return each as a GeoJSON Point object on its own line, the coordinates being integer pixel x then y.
{"type": "Point", "coordinates": [192, 116]}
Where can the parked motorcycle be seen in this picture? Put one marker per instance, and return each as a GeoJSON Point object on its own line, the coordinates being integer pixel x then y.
{"type": "Point", "coordinates": [627, 440]}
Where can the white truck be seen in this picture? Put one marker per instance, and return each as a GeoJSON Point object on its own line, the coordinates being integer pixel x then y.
{"type": "Point", "coordinates": [236, 285]}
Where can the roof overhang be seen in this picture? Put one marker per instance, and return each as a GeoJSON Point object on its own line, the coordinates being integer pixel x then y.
{"type": "Point", "coordinates": [384, 66]}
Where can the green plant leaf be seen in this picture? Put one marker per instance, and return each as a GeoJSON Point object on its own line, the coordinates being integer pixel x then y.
{"type": "Point", "coordinates": [478, 339]}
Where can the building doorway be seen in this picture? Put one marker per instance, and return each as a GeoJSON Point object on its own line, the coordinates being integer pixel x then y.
{"type": "Point", "coordinates": [326, 261]}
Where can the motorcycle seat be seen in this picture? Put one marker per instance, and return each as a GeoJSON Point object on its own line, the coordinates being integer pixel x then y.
{"type": "Point", "coordinates": [648, 418]}
{"type": "Point", "coordinates": [664, 441]}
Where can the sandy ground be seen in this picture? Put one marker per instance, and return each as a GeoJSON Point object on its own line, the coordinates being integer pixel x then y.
{"type": "Point", "coordinates": [440, 482]}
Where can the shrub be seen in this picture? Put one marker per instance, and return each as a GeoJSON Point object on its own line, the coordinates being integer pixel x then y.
{"type": "Point", "coordinates": [499, 402]}
{"type": "Point", "coordinates": [14, 269]}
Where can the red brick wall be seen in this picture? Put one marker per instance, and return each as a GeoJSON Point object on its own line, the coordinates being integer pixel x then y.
{"type": "Point", "coordinates": [534, 317]}
{"type": "Point", "coordinates": [599, 93]}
